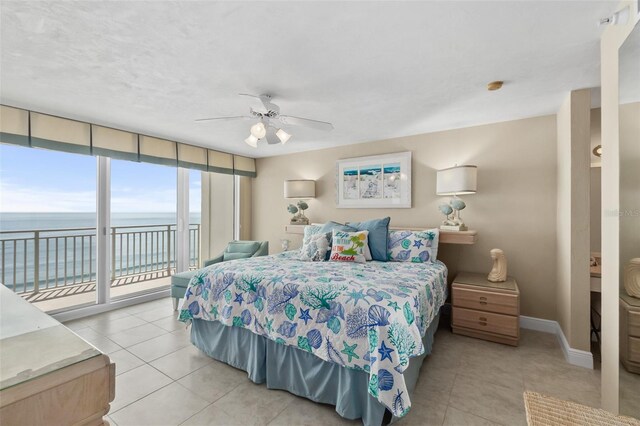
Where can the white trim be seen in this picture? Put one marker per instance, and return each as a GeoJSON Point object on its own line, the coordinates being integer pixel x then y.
{"type": "Point", "coordinates": [182, 220]}
{"type": "Point", "coordinates": [236, 207]}
{"type": "Point", "coordinates": [98, 309]}
{"type": "Point", "coordinates": [573, 356]}
{"type": "Point", "coordinates": [103, 230]}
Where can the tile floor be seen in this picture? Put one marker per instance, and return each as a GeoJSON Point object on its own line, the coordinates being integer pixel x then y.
{"type": "Point", "coordinates": [163, 380]}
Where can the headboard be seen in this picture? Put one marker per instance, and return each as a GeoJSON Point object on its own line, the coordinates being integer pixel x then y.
{"type": "Point", "coordinates": [446, 237]}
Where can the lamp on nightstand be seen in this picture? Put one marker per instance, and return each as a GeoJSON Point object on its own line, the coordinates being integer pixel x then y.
{"type": "Point", "coordinates": [455, 181]}
{"type": "Point", "coordinates": [302, 190]}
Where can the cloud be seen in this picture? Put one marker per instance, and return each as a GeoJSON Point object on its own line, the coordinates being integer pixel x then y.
{"type": "Point", "coordinates": [16, 198]}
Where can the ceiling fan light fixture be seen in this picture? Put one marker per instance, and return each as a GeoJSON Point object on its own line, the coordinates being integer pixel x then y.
{"type": "Point", "coordinates": [258, 130]}
{"type": "Point", "coordinates": [252, 141]}
{"type": "Point", "coordinates": [283, 136]}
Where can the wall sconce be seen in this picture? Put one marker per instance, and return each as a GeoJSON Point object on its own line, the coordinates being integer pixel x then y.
{"type": "Point", "coordinates": [455, 181]}
{"type": "Point", "coordinates": [299, 189]}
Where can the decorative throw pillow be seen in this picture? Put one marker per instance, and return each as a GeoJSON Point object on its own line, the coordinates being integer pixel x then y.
{"type": "Point", "coordinates": [378, 232]}
{"type": "Point", "coordinates": [315, 244]}
{"type": "Point", "coordinates": [409, 246]}
{"type": "Point", "coordinates": [330, 226]}
{"type": "Point", "coordinates": [349, 246]}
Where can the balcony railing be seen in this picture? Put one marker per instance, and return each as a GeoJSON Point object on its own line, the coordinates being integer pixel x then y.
{"type": "Point", "coordinates": [44, 259]}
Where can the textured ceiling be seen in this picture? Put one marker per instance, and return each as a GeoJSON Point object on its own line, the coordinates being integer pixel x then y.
{"type": "Point", "coordinates": [374, 69]}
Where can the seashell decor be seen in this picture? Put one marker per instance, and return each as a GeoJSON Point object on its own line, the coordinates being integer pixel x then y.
{"type": "Point", "coordinates": [632, 277]}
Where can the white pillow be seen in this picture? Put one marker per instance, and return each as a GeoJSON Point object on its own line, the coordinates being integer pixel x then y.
{"type": "Point", "coordinates": [349, 246]}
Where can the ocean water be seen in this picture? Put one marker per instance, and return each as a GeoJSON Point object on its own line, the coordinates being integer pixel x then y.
{"type": "Point", "coordinates": [68, 257]}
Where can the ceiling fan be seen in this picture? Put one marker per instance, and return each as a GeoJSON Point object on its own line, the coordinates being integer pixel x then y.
{"type": "Point", "coordinates": [270, 121]}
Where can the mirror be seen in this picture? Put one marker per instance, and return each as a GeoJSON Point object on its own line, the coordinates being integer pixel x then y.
{"type": "Point", "coordinates": [629, 127]}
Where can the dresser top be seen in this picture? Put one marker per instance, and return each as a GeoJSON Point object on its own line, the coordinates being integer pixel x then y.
{"type": "Point", "coordinates": [32, 343]}
{"type": "Point", "coordinates": [480, 280]}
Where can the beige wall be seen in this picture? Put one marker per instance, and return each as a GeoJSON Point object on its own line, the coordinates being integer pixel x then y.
{"type": "Point", "coordinates": [244, 205]}
{"type": "Point", "coordinates": [514, 208]}
{"type": "Point", "coordinates": [217, 214]}
{"type": "Point", "coordinates": [611, 40]}
{"type": "Point", "coordinates": [629, 184]}
{"type": "Point", "coordinates": [572, 226]}
{"type": "Point", "coordinates": [596, 199]}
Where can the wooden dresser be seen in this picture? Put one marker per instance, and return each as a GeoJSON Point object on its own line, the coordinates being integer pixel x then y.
{"type": "Point", "coordinates": [630, 332]}
{"type": "Point", "coordinates": [484, 309]}
{"type": "Point", "coordinates": [49, 375]}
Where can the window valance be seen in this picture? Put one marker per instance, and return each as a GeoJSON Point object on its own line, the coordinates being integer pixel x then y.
{"type": "Point", "coordinates": [33, 129]}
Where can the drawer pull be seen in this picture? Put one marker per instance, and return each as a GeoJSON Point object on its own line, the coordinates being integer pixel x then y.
{"type": "Point", "coordinates": [483, 319]}
{"type": "Point", "coordinates": [482, 323]}
{"type": "Point", "coordinates": [483, 300]}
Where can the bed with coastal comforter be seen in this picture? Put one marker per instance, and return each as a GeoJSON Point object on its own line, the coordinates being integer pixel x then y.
{"type": "Point", "coordinates": [348, 334]}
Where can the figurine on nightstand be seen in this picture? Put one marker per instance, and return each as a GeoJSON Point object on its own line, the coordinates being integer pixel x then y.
{"type": "Point", "coordinates": [498, 273]}
{"type": "Point", "coordinates": [632, 277]}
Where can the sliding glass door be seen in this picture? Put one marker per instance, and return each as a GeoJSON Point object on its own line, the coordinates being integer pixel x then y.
{"type": "Point", "coordinates": [48, 226]}
{"type": "Point", "coordinates": [143, 231]}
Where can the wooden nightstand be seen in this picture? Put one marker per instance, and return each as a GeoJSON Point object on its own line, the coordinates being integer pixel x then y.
{"type": "Point", "coordinates": [630, 332]}
{"type": "Point", "coordinates": [484, 309]}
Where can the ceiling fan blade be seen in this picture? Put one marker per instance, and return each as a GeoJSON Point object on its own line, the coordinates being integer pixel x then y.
{"type": "Point", "coordinates": [271, 136]}
{"type": "Point", "coordinates": [305, 122]}
{"type": "Point", "coordinates": [237, 117]}
{"type": "Point", "coordinates": [266, 101]}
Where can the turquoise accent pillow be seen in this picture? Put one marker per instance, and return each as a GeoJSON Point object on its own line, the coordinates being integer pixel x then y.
{"type": "Point", "coordinates": [233, 256]}
{"type": "Point", "coordinates": [378, 233]}
{"type": "Point", "coordinates": [409, 246]}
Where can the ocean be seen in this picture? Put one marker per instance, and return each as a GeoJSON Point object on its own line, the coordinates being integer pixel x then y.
{"type": "Point", "coordinates": [68, 257]}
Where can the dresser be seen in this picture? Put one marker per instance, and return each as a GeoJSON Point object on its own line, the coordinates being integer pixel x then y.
{"type": "Point", "coordinates": [486, 310]}
{"type": "Point", "coordinates": [49, 375]}
{"type": "Point", "coordinates": [630, 332]}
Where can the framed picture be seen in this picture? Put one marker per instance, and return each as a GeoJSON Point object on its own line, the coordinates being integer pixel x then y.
{"type": "Point", "coordinates": [379, 181]}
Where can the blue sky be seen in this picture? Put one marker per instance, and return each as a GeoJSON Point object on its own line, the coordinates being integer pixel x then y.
{"type": "Point", "coordinates": [37, 180]}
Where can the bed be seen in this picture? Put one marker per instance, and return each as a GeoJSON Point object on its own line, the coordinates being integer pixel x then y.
{"type": "Point", "coordinates": [350, 335]}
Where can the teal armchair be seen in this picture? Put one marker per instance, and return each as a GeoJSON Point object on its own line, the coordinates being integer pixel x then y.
{"type": "Point", "coordinates": [234, 250]}
{"type": "Point", "coordinates": [241, 250]}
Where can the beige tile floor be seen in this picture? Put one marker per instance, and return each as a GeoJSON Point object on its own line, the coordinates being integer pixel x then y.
{"type": "Point", "coordinates": [163, 380]}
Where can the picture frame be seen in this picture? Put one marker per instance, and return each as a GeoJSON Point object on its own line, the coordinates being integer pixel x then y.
{"type": "Point", "coordinates": [377, 181]}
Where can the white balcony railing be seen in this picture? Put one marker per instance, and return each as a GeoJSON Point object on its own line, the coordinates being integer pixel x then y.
{"type": "Point", "coordinates": [45, 259]}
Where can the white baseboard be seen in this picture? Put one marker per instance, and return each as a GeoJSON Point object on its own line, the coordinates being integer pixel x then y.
{"type": "Point", "coordinates": [573, 356]}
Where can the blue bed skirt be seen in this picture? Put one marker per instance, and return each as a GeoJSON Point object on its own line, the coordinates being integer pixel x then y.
{"type": "Point", "coordinates": [299, 372]}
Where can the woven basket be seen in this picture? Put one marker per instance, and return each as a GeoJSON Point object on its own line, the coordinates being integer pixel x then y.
{"type": "Point", "coordinates": [548, 411]}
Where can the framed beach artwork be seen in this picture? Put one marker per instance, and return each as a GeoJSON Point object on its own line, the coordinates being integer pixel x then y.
{"type": "Point", "coordinates": [379, 181]}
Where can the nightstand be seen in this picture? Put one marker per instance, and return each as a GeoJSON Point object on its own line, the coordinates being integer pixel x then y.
{"type": "Point", "coordinates": [484, 309]}
{"type": "Point", "coordinates": [630, 332]}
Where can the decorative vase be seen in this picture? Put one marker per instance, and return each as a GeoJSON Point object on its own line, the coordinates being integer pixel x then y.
{"type": "Point", "coordinates": [632, 277]}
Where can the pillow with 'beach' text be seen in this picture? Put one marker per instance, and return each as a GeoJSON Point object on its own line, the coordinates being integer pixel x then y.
{"type": "Point", "coordinates": [348, 246]}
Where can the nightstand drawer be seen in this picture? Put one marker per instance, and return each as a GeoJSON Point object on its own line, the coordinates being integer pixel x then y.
{"type": "Point", "coordinates": [634, 349]}
{"type": "Point", "coordinates": [633, 321]}
{"type": "Point", "coordinates": [485, 301]}
{"type": "Point", "coordinates": [485, 321]}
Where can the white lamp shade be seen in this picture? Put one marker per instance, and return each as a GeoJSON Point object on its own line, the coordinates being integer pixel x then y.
{"type": "Point", "coordinates": [457, 180]}
{"type": "Point", "coordinates": [283, 136]}
{"type": "Point", "coordinates": [252, 141]}
{"type": "Point", "coordinates": [258, 130]}
{"type": "Point", "coordinates": [299, 189]}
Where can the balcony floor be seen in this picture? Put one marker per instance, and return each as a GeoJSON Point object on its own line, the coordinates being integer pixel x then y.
{"type": "Point", "coordinates": [55, 299]}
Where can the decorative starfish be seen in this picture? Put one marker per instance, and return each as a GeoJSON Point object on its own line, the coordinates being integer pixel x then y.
{"type": "Point", "coordinates": [349, 350]}
{"type": "Point", "coordinates": [394, 305]}
{"type": "Point", "coordinates": [356, 296]}
{"type": "Point", "coordinates": [304, 315]}
{"type": "Point", "coordinates": [239, 298]}
{"type": "Point", "coordinates": [418, 243]}
{"type": "Point", "coordinates": [384, 352]}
